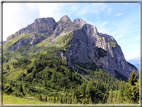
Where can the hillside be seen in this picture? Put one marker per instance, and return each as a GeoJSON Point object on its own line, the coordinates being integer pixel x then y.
{"type": "Point", "coordinates": [68, 60]}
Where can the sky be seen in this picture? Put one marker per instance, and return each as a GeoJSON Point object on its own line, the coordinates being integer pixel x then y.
{"type": "Point", "coordinates": [120, 20]}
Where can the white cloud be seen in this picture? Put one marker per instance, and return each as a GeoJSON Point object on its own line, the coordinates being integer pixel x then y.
{"type": "Point", "coordinates": [118, 14]}
{"type": "Point", "coordinates": [102, 26]}
{"type": "Point", "coordinates": [132, 40]}
{"type": "Point", "coordinates": [125, 27]}
{"type": "Point", "coordinates": [89, 8]}
{"type": "Point", "coordinates": [124, 32]}
{"type": "Point", "coordinates": [132, 55]}
{"type": "Point", "coordinates": [119, 36]}
{"type": "Point", "coordinates": [17, 16]}
{"type": "Point", "coordinates": [55, 10]}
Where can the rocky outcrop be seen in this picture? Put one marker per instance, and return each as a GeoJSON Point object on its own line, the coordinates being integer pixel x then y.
{"type": "Point", "coordinates": [20, 43]}
{"type": "Point", "coordinates": [34, 39]}
{"type": "Point", "coordinates": [63, 27]}
{"type": "Point", "coordinates": [39, 25]}
{"type": "Point", "coordinates": [11, 37]}
{"type": "Point", "coordinates": [88, 45]}
{"type": "Point", "coordinates": [79, 22]}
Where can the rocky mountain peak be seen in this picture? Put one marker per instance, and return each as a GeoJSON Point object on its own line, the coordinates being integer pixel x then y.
{"type": "Point", "coordinates": [89, 29]}
{"type": "Point", "coordinates": [63, 27]}
{"type": "Point", "coordinates": [79, 22]}
{"type": "Point", "coordinates": [65, 18]}
{"type": "Point", "coordinates": [40, 25]}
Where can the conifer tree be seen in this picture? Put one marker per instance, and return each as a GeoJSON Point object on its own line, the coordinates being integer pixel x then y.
{"type": "Point", "coordinates": [7, 67]}
{"type": "Point", "coordinates": [54, 100]}
{"type": "Point", "coordinates": [64, 89]}
{"type": "Point", "coordinates": [115, 96]}
{"type": "Point", "coordinates": [40, 98]}
{"type": "Point", "coordinates": [61, 100]}
{"type": "Point", "coordinates": [87, 90]}
{"type": "Point", "coordinates": [134, 87]}
{"type": "Point", "coordinates": [45, 84]}
{"type": "Point", "coordinates": [75, 100]}
{"type": "Point", "coordinates": [83, 101]}
{"type": "Point", "coordinates": [110, 96]}
{"type": "Point", "coordinates": [70, 100]}
{"type": "Point", "coordinates": [73, 95]}
{"type": "Point", "coordinates": [46, 98]}
{"type": "Point", "coordinates": [121, 92]}
{"type": "Point", "coordinates": [133, 79]}
{"type": "Point", "coordinates": [130, 91]}
{"type": "Point", "coordinates": [21, 88]}
{"type": "Point", "coordinates": [57, 98]}
{"type": "Point", "coordinates": [90, 100]}
{"type": "Point", "coordinates": [9, 90]}
{"type": "Point", "coordinates": [66, 100]}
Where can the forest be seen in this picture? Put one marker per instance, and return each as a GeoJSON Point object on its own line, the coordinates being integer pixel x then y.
{"type": "Point", "coordinates": [48, 78]}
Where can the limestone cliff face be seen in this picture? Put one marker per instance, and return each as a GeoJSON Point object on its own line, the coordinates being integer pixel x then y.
{"type": "Point", "coordinates": [63, 27]}
{"type": "Point", "coordinates": [88, 45]}
{"type": "Point", "coordinates": [34, 39]}
{"type": "Point", "coordinates": [79, 22]}
{"type": "Point", "coordinates": [39, 25]}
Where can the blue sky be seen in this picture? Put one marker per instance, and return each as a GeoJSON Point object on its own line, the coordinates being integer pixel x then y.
{"type": "Point", "coordinates": [120, 20]}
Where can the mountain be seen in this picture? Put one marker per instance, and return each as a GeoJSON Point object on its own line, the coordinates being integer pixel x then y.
{"type": "Point", "coordinates": [64, 62]}
{"type": "Point", "coordinates": [80, 43]}
{"type": "Point", "coordinates": [135, 62]}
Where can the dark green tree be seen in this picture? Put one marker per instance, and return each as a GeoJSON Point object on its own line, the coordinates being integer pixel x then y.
{"type": "Point", "coordinates": [40, 97]}
{"type": "Point", "coordinates": [75, 100]}
{"type": "Point", "coordinates": [46, 98]}
{"type": "Point", "coordinates": [110, 96]}
{"type": "Point", "coordinates": [7, 67]}
{"type": "Point", "coordinates": [21, 89]}
{"type": "Point", "coordinates": [54, 100]}
{"type": "Point", "coordinates": [61, 100]}
{"type": "Point", "coordinates": [133, 79]}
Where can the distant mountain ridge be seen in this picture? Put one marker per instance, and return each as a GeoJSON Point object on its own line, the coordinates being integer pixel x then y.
{"type": "Point", "coordinates": [135, 62]}
{"type": "Point", "coordinates": [86, 44]}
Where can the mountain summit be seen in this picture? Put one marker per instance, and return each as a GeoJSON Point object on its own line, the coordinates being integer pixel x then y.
{"type": "Point", "coordinates": [39, 25]}
{"type": "Point", "coordinates": [84, 44]}
{"type": "Point", "coordinates": [79, 22]}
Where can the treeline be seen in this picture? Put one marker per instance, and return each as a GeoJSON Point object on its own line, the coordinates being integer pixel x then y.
{"type": "Point", "coordinates": [47, 77]}
{"type": "Point", "coordinates": [97, 74]}
{"type": "Point", "coordinates": [128, 93]}
{"type": "Point", "coordinates": [87, 93]}
{"type": "Point", "coordinates": [48, 71]}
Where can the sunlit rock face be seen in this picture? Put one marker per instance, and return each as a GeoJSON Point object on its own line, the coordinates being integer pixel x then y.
{"type": "Point", "coordinates": [87, 45]}
{"type": "Point", "coordinates": [34, 39]}
{"type": "Point", "coordinates": [39, 25]}
{"type": "Point", "coordinates": [79, 22]}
